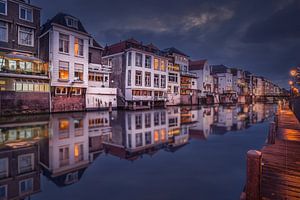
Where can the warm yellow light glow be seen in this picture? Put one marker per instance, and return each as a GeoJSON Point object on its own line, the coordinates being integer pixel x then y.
{"type": "Point", "coordinates": [163, 134]}
{"type": "Point", "coordinates": [76, 151]}
{"type": "Point", "coordinates": [63, 125]}
{"type": "Point", "coordinates": [63, 74]}
{"type": "Point", "coordinates": [291, 82]}
{"type": "Point", "coordinates": [156, 136]}
{"type": "Point", "coordinates": [293, 72]}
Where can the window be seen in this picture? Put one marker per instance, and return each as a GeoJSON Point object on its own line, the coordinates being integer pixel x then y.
{"type": "Point", "coordinates": [26, 36]}
{"type": "Point", "coordinates": [25, 163]}
{"type": "Point", "coordinates": [138, 78]}
{"type": "Point", "coordinates": [3, 7]}
{"type": "Point", "coordinates": [3, 167]}
{"type": "Point", "coordinates": [78, 152]}
{"type": "Point", "coordinates": [3, 31]}
{"type": "Point", "coordinates": [26, 13]}
{"type": "Point", "coordinates": [61, 91]}
{"type": "Point", "coordinates": [156, 80]}
{"type": "Point", "coordinates": [26, 186]}
{"type": "Point", "coordinates": [156, 118]}
{"type": "Point", "coordinates": [156, 64]}
{"type": "Point", "coordinates": [63, 70]}
{"type": "Point", "coordinates": [176, 89]}
{"type": "Point", "coordinates": [78, 124]}
{"type": "Point", "coordinates": [148, 137]}
{"type": "Point", "coordinates": [64, 125]}
{"type": "Point", "coordinates": [63, 43]}
{"type": "Point", "coordinates": [78, 47]}
{"type": "Point", "coordinates": [139, 139]}
{"type": "Point", "coordinates": [163, 81]}
{"type": "Point", "coordinates": [76, 91]}
{"type": "Point", "coordinates": [129, 78]}
{"type": "Point", "coordinates": [138, 59]}
{"type": "Point", "coordinates": [129, 63]}
{"type": "Point", "coordinates": [78, 72]}
{"type": "Point", "coordinates": [12, 64]}
{"type": "Point", "coordinates": [138, 121]}
{"type": "Point", "coordinates": [72, 22]}
{"type": "Point", "coordinates": [129, 121]}
{"type": "Point", "coordinates": [163, 118]}
{"type": "Point", "coordinates": [148, 120]}
{"type": "Point", "coordinates": [63, 156]}
{"type": "Point", "coordinates": [162, 66]}
{"type": "Point", "coordinates": [147, 79]}
{"type": "Point", "coordinates": [173, 78]}
{"type": "Point", "coordinates": [3, 192]}
{"type": "Point", "coordinates": [148, 62]}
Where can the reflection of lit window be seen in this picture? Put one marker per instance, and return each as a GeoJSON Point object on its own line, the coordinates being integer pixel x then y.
{"type": "Point", "coordinates": [26, 186]}
{"type": "Point", "coordinates": [156, 64]}
{"type": "Point", "coordinates": [163, 134]}
{"type": "Point", "coordinates": [3, 167]}
{"type": "Point", "coordinates": [156, 136]}
{"type": "Point", "coordinates": [64, 125]}
{"type": "Point", "coordinates": [25, 163]}
{"type": "Point", "coordinates": [162, 66]}
{"type": "Point", "coordinates": [78, 152]}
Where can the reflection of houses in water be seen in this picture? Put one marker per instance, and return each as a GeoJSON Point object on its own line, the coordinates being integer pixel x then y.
{"type": "Point", "coordinates": [224, 119]}
{"type": "Point", "coordinates": [65, 154]}
{"type": "Point", "coordinates": [137, 133]}
{"type": "Point", "coordinates": [19, 158]}
{"type": "Point", "coordinates": [261, 112]}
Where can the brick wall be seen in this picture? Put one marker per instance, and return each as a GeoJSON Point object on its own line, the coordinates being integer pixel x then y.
{"type": "Point", "coordinates": [23, 103]}
{"type": "Point", "coordinates": [66, 103]}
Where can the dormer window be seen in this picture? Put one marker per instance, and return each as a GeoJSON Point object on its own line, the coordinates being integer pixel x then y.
{"type": "Point", "coordinates": [71, 22]}
{"type": "Point", "coordinates": [26, 13]}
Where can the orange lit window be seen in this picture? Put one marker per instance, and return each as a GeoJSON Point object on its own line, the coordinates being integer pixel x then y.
{"type": "Point", "coordinates": [156, 64]}
{"type": "Point", "coordinates": [64, 70]}
{"type": "Point", "coordinates": [78, 47]}
{"type": "Point", "coordinates": [156, 136]}
{"type": "Point", "coordinates": [162, 66]}
{"type": "Point", "coordinates": [64, 125]}
{"type": "Point", "coordinates": [78, 152]}
{"type": "Point", "coordinates": [163, 134]}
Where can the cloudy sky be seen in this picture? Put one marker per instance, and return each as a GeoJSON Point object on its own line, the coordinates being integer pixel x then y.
{"type": "Point", "coordinates": [262, 36]}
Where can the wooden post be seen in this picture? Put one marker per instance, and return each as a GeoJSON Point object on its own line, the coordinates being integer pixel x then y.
{"type": "Point", "coordinates": [253, 175]}
{"type": "Point", "coordinates": [272, 133]}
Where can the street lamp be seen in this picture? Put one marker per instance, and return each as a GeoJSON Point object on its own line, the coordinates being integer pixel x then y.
{"type": "Point", "coordinates": [293, 72]}
{"type": "Point", "coordinates": [191, 97]}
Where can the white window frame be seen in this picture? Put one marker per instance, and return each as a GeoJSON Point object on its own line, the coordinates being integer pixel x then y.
{"type": "Point", "coordinates": [71, 19]}
{"type": "Point", "coordinates": [79, 44]}
{"type": "Point", "coordinates": [19, 38]}
{"type": "Point", "coordinates": [32, 162]}
{"type": "Point", "coordinates": [26, 10]}
{"type": "Point", "coordinates": [6, 27]}
{"type": "Point", "coordinates": [63, 43]}
{"type": "Point", "coordinates": [61, 93]}
{"type": "Point", "coordinates": [4, 1]}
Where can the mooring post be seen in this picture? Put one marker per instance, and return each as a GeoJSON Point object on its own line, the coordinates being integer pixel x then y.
{"type": "Point", "coordinates": [272, 133]}
{"type": "Point", "coordinates": [253, 182]}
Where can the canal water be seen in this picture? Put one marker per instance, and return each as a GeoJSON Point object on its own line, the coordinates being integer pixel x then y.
{"type": "Point", "coordinates": [174, 153]}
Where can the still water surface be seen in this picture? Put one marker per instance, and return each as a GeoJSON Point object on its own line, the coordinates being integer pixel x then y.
{"type": "Point", "coordinates": [176, 153]}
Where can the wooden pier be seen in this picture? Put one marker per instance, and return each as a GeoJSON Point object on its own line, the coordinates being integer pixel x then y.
{"type": "Point", "coordinates": [277, 176]}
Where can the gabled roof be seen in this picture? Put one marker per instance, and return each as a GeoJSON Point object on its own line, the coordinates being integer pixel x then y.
{"type": "Point", "coordinates": [172, 50]}
{"type": "Point", "coordinates": [197, 65]}
{"type": "Point", "coordinates": [60, 19]}
{"type": "Point", "coordinates": [219, 69]}
{"type": "Point", "coordinates": [96, 44]}
{"type": "Point", "coordinates": [131, 43]}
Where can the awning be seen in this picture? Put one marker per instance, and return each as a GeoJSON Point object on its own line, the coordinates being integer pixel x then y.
{"type": "Point", "coordinates": [24, 57]}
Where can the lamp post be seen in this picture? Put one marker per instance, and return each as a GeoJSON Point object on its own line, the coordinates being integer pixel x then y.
{"type": "Point", "coordinates": [291, 83]}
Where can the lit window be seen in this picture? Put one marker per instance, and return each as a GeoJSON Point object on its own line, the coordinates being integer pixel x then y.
{"type": "Point", "coordinates": [162, 66]}
{"type": "Point", "coordinates": [63, 43]}
{"type": "Point", "coordinates": [61, 91]}
{"type": "Point", "coordinates": [78, 152]}
{"type": "Point", "coordinates": [78, 74]}
{"type": "Point", "coordinates": [3, 7]}
{"type": "Point", "coordinates": [63, 70]}
{"type": "Point", "coordinates": [26, 36]}
{"type": "Point", "coordinates": [64, 125]}
{"type": "Point", "coordinates": [26, 13]}
{"type": "Point", "coordinates": [12, 64]}
{"type": "Point", "coordinates": [78, 47]}
{"type": "Point", "coordinates": [26, 186]}
{"type": "Point", "coordinates": [76, 91]}
{"type": "Point", "coordinates": [156, 64]}
{"type": "Point", "coordinates": [3, 31]}
{"type": "Point", "coordinates": [3, 167]}
{"type": "Point", "coordinates": [25, 163]}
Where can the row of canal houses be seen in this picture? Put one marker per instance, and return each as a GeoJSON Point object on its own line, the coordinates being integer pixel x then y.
{"type": "Point", "coordinates": [62, 146]}
{"type": "Point", "coordinates": [60, 67]}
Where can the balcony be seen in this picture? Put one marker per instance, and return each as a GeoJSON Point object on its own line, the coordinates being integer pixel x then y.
{"type": "Point", "coordinates": [189, 74]}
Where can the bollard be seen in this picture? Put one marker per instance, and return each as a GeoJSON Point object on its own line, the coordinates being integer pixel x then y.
{"type": "Point", "coordinates": [272, 133]}
{"type": "Point", "coordinates": [253, 175]}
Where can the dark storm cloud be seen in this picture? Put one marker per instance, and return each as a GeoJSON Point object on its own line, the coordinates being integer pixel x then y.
{"type": "Point", "coordinates": [260, 36]}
